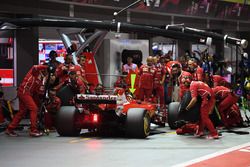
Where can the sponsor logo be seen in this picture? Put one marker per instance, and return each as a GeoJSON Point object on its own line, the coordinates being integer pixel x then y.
{"type": "Point", "coordinates": [96, 97]}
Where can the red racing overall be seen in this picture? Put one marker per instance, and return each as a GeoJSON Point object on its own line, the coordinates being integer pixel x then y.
{"type": "Point", "coordinates": [219, 81]}
{"type": "Point", "coordinates": [201, 89]}
{"type": "Point", "coordinates": [147, 74]}
{"type": "Point", "coordinates": [226, 100]}
{"type": "Point", "coordinates": [158, 86]}
{"type": "Point", "coordinates": [62, 71]}
{"type": "Point", "coordinates": [32, 82]}
{"type": "Point", "coordinates": [198, 74]}
{"type": "Point", "coordinates": [52, 107]}
{"type": "Point", "coordinates": [182, 78]}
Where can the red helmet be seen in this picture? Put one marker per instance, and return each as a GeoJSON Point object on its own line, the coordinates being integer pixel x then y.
{"type": "Point", "coordinates": [186, 77]}
{"type": "Point", "coordinates": [172, 64]}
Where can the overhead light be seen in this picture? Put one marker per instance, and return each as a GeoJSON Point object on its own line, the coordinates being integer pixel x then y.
{"type": "Point", "coordinates": [209, 41]}
{"type": "Point", "coordinates": [147, 2]}
{"type": "Point", "coordinates": [157, 3]}
{"type": "Point", "coordinates": [239, 11]}
{"type": "Point", "coordinates": [244, 43]}
{"type": "Point", "coordinates": [208, 6]}
{"type": "Point", "coordinates": [245, 55]}
{"type": "Point", "coordinates": [8, 26]}
{"type": "Point", "coordinates": [202, 40]}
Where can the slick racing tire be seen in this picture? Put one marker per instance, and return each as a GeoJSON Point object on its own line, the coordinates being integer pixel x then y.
{"type": "Point", "coordinates": [65, 121]}
{"type": "Point", "coordinates": [173, 112]}
{"type": "Point", "coordinates": [193, 114]}
{"type": "Point", "coordinates": [185, 100]}
{"type": "Point", "coordinates": [65, 94]}
{"type": "Point", "coordinates": [137, 123]}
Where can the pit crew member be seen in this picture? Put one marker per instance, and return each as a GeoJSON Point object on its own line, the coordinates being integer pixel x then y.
{"type": "Point", "coordinates": [62, 71]}
{"type": "Point", "coordinates": [195, 70]}
{"type": "Point", "coordinates": [226, 105]}
{"type": "Point", "coordinates": [130, 66]}
{"type": "Point", "coordinates": [33, 80]}
{"type": "Point", "coordinates": [201, 89]}
{"type": "Point", "coordinates": [147, 74]}
{"type": "Point", "coordinates": [160, 76]}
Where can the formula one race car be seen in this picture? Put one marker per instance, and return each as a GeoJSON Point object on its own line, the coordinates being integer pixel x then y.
{"type": "Point", "coordinates": [104, 112]}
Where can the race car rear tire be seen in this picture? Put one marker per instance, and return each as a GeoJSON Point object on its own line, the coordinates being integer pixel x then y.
{"type": "Point", "coordinates": [65, 121]}
{"type": "Point", "coordinates": [66, 94]}
{"type": "Point", "coordinates": [137, 123]}
{"type": "Point", "coordinates": [185, 100]}
{"type": "Point", "coordinates": [173, 112]}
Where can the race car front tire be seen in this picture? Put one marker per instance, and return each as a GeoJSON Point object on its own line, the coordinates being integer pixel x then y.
{"type": "Point", "coordinates": [193, 114]}
{"type": "Point", "coordinates": [65, 121]}
{"type": "Point", "coordinates": [137, 123]}
{"type": "Point", "coordinates": [173, 113]}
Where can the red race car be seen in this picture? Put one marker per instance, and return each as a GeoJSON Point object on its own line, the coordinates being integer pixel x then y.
{"type": "Point", "coordinates": [117, 112]}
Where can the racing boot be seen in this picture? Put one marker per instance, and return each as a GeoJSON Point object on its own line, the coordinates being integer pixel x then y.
{"type": "Point", "coordinates": [199, 133]}
{"type": "Point", "coordinates": [216, 136]}
{"type": "Point", "coordinates": [11, 132]}
{"type": "Point", "coordinates": [35, 133]}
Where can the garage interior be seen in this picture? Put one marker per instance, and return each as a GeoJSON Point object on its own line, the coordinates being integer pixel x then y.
{"type": "Point", "coordinates": [24, 44]}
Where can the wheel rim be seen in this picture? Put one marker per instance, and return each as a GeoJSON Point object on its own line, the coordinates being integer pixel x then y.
{"type": "Point", "coordinates": [146, 125]}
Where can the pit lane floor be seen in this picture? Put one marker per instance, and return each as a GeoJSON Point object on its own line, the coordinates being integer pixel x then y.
{"type": "Point", "coordinates": [162, 148]}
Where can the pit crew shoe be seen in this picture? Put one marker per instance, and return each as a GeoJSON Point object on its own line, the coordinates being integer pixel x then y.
{"type": "Point", "coordinates": [179, 131]}
{"type": "Point", "coordinates": [35, 133]}
{"type": "Point", "coordinates": [11, 133]}
{"type": "Point", "coordinates": [199, 134]}
{"type": "Point", "coordinates": [212, 137]}
{"type": "Point", "coordinates": [4, 123]}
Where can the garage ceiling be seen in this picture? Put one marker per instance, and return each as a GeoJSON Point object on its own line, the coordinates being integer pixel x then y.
{"type": "Point", "coordinates": [94, 9]}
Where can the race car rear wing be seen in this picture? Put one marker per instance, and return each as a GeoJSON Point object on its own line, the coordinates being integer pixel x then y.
{"type": "Point", "coordinates": [96, 99]}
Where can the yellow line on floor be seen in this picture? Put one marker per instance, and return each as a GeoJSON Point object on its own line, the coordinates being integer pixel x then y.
{"type": "Point", "coordinates": [78, 140]}
{"type": "Point", "coordinates": [167, 133]}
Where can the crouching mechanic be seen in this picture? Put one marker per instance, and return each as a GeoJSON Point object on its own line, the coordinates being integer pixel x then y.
{"type": "Point", "coordinates": [229, 112]}
{"type": "Point", "coordinates": [220, 81]}
{"type": "Point", "coordinates": [76, 83]}
{"type": "Point", "coordinates": [53, 105]}
{"type": "Point", "coordinates": [189, 128]}
{"type": "Point", "coordinates": [31, 82]}
{"type": "Point", "coordinates": [201, 89]}
{"type": "Point", "coordinates": [52, 102]}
